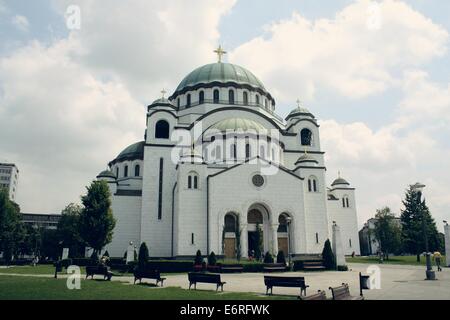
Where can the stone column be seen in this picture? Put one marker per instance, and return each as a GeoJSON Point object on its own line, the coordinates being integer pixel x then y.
{"type": "Point", "coordinates": [338, 249]}
{"type": "Point", "coordinates": [447, 245]}
{"type": "Point", "coordinates": [244, 241]}
{"type": "Point", "coordinates": [274, 229]}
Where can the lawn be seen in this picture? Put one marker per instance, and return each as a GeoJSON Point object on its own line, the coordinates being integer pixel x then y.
{"type": "Point", "coordinates": [403, 260]}
{"type": "Point", "coordinates": [39, 269]}
{"type": "Point", "coordinates": [30, 288]}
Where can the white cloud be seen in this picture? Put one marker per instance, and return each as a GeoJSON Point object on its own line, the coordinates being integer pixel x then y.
{"type": "Point", "coordinates": [20, 22]}
{"type": "Point", "coordinates": [297, 55]}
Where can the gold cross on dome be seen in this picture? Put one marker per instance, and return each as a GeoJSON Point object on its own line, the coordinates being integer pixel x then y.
{"type": "Point", "coordinates": [299, 103]}
{"type": "Point", "coordinates": [163, 92]}
{"type": "Point", "coordinates": [220, 52]}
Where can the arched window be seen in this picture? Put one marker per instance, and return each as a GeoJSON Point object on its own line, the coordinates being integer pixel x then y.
{"type": "Point", "coordinates": [255, 216]}
{"type": "Point", "coordinates": [193, 180]}
{"type": "Point", "coordinates": [306, 137]}
{"type": "Point", "coordinates": [262, 152]}
{"type": "Point", "coordinates": [266, 103]}
{"type": "Point", "coordinates": [137, 170]}
{"type": "Point", "coordinates": [248, 151]}
{"type": "Point", "coordinates": [230, 223]}
{"type": "Point", "coordinates": [117, 172]}
{"type": "Point", "coordinates": [162, 130]}
{"type": "Point", "coordinates": [125, 171]}
{"type": "Point", "coordinates": [231, 97]}
{"type": "Point", "coordinates": [257, 99]}
{"type": "Point", "coordinates": [233, 151]}
{"type": "Point", "coordinates": [313, 185]}
{"type": "Point", "coordinates": [218, 153]}
{"type": "Point", "coordinates": [216, 96]}
{"type": "Point", "coordinates": [178, 102]}
{"type": "Point", "coordinates": [188, 101]}
{"type": "Point", "coordinates": [309, 185]}
{"type": "Point", "coordinates": [345, 202]}
{"type": "Point", "coordinates": [201, 97]}
{"type": "Point", "coordinates": [245, 98]}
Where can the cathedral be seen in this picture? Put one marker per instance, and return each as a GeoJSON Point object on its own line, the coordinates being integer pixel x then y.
{"type": "Point", "coordinates": [218, 170]}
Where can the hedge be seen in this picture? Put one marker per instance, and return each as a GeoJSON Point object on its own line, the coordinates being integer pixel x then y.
{"type": "Point", "coordinates": [164, 266]}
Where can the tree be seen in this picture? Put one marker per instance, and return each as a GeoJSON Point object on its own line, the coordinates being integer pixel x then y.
{"type": "Point", "coordinates": [268, 257]}
{"type": "Point", "coordinates": [69, 230]}
{"type": "Point", "coordinates": [198, 258]}
{"type": "Point", "coordinates": [280, 257]}
{"type": "Point", "coordinates": [212, 260]}
{"type": "Point", "coordinates": [259, 242]}
{"type": "Point", "coordinates": [414, 215]}
{"type": "Point", "coordinates": [96, 219]}
{"type": "Point", "coordinates": [143, 256]}
{"type": "Point", "coordinates": [387, 232]}
{"type": "Point", "coordinates": [10, 226]}
{"type": "Point", "coordinates": [328, 256]}
{"type": "Point", "coordinates": [238, 239]}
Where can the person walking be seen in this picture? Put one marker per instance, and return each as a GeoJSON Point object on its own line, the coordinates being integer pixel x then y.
{"type": "Point", "coordinates": [437, 259]}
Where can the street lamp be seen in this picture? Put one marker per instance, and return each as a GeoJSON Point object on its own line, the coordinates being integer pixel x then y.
{"type": "Point", "coordinates": [288, 223]}
{"type": "Point", "coordinates": [418, 188]}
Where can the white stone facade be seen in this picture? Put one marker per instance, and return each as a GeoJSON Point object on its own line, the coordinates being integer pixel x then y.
{"type": "Point", "coordinates": [273, 180]}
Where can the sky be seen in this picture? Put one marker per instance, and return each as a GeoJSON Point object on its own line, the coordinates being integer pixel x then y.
{"type": "Point", "coordinates": [375, 74]}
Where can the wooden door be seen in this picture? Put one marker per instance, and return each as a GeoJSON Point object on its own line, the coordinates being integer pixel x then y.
{"type": "Point", "coordinates": [283, 245]}
{"type": "Point", "coordinates": [230, 248]}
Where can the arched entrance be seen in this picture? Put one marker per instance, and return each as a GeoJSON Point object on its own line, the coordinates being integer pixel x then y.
{"type": "Point", "coordinates": [229, 241]}
{"type": "Point", "coordinates": [282, 233]}
{"type": "Point", "coordinates": [257, 229]}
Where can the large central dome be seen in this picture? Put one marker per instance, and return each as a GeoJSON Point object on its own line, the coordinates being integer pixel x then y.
{"type": "Point", "coordinates": [222, 73]}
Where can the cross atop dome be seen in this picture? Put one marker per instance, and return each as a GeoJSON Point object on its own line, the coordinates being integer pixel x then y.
{"type": "Point", "coordinates": [220, 52]}
{"type": "Point", "coordinates": [163, 92]}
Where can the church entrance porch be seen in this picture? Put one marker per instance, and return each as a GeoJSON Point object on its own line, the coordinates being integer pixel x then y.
{"type": "Point", "coordinates": [258, 227]}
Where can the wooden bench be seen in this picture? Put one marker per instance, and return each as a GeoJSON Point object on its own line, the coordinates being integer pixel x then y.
{"type": "Point", "coordinates": [343, 293]}
{"type": "Point", "coordinates": [195, 278]}
{"type": "Point", "coordinates": [100, 270]}
{"type": "Point", "coordinates": [320, 295]}
{"type": "Point", "coordinates": [231, 268]}
{"type": "Point", "coordinates": [274, 267]}
{"type": "Point", "coordinates": [148, 274]}
{"type": "Point", "coordinates": [313, 265]}
{"type": "Point", "coordinates": [290, 282]}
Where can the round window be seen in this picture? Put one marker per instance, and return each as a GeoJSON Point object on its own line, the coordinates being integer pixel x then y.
{"type": "Point", "coordinates": [258, 180]}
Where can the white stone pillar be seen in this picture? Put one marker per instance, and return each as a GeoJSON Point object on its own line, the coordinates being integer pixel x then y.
{"type": "Point", "coordinates": [338, 249]}
{"type": "Point", "coordinates": [447, 245]}
{"type": "Point", "coordinates": [274, 229]}
{"type": "Point", "coordinates": [244, 241]}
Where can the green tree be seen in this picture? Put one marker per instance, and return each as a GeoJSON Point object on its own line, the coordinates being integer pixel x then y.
{"type": "Point", "coordinates": [414, 216]}
{"type": "Point", "coordinates": [30, 240]}
{"type": "Point", "coordinates": [69, 230]}
{"type": "Point", "coordinates": [11, 230]}
{"type": "Point", "coordinates": [96, 219]}
{"type": "Point", "coordinates": [198, 258]}
{"type": "Point", "coordinates": [50, 244]}
{"type": "Point", "coordinates": [387, 232]}
{"type": "Point", "coordinates": [143, 256]}
{"type": "Point", "coordinates": [238, 239]}
{"type": "Point", "coordinates": [280, 257]}
{"type": "Point", "coordinates": [259, 242]}
{"type": "Point", "coordinates": [212, 260]}
{"type": "Point", "coordinates": [268, 258]}
{"type": "Point", "coordinates": [328, 256]}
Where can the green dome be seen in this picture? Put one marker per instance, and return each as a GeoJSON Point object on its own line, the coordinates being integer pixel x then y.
{"type": "Point", "coordinates": [299, 111]}
{"type": "Point", "coordinates": [106, 174]}
{"type": "Point", "coordinates": [340, 181]}
{"type": "Point", "coordinates": [133, 152]}
{"type": "Point", "coordinates": [237, 124]}
{"type": "Point", "coordinates": [220, 72]}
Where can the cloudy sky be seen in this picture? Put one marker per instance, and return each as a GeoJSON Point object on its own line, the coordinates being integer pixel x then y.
{"type": "Point", "coordinates": [376, 74]}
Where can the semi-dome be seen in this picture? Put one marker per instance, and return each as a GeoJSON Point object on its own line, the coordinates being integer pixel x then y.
{"type": "Point", "coordinates": [300, 111]}
{"type": "Point", "coordinates": [237, 124]}
{"type": "Point", "coordinates": [132, 152]}
{"type": "Point", "coordinates": [305, 159]}
{"type": "Point", "coordinates": [219, 73]}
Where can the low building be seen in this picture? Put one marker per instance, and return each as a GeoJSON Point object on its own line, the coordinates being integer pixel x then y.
{"type": "Point", "coordinates": [45, 221]}
{"type": "Point", "coordinates": [9, 179]}
{"type": "Point", "coordinates": [369, 244]}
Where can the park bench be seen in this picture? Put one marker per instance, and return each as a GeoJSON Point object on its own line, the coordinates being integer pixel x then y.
{"type": "Point", "coordinates": [230, 268]}
{"type": "Point", "coordinates": [320, 295]}
{"type": "Point", "coordinates": [343, 293]}
{"type": "Point", "coordinates": [148, 274]}
{"type": "Point", "coordinates": [98, 270]}
{"type": "Point", "coordinates": [290, 282]}
{"type": "Point", "coordinates": [274, 267]}
{"type": "Point", "coordinates": [195, 278]}
{"type": "Point", "coordinates": [313, 265]}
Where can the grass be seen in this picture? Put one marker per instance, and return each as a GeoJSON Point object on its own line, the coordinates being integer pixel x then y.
{"type": "Point", "coordinates": [402, 260]}
{"type": "Point", "coordinates": [39, 269]}
{"type": "Point", "coordinates": [29, 288]}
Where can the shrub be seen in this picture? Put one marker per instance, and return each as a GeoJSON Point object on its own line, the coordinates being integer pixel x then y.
{"type": "Point", "coordinates": [268, 258]}
{"type": "Point", "coordinates": [342, 268]}
{"type": "Point", "coordinates": [280, 257]}
{"type": "Point", "coordinates": [253, 267]}
{"type": "Point", "coordinates": [106, 254]}
{"type": "Point", "coordinates": [143, 256]}
{"type": "Point", "coordinates": [198, 258]}
{"type": "Point", "coordinates": [328, 256]}
{"type": "Point", "coordinates": [212, 260]}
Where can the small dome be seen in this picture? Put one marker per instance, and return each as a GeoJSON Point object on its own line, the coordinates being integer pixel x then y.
{"type": "Point", "coordinates": [106, 174]}
{"type": "Point", "coordinates": [339, 181]}
{"type": "Point", "coordinates": [298, 112]}
{"type": "Point", "coordinates": [237, 124]}
{"type": "Point", "coordinates": [306, 158]}
{"type": "Point", "coordinates": [132, 152]}
{"type": "Point", "coordinates": [161, 102]}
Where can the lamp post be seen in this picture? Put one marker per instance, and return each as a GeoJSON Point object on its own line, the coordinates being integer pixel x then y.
{"type": "Point", "coordinates": [288, 223]}
{"type": "Point", "coordinates": [418, 188]}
